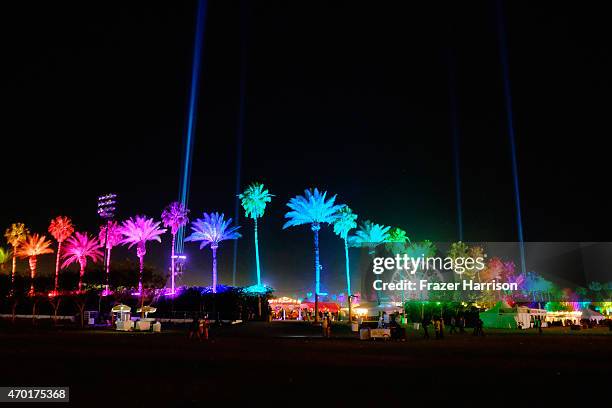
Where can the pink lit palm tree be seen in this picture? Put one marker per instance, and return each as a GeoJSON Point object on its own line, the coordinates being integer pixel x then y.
{"type": "Point", "coordinates": [61, 228]}
{"type": "Point", "coordinates": [174, 216]}
{"type": "Point", "coordinates": [137, 231]}
{"type": "Point", "coordinates": [80, 248]}
{"type": "Point", "coordinates": [211, 230]}
{"type": "Point", "coordinates": [33, 246]}
{"type": "Point", "coordinates": [110, 236]}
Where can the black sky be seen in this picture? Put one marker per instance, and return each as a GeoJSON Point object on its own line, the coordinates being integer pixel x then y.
{"type": "Point", "coordinates": [352, 97]}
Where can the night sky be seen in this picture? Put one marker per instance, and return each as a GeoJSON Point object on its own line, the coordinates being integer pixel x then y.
{"type": "Point", "coordinates": [351, 97]}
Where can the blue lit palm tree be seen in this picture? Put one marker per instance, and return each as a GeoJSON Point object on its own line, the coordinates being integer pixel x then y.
{"type": "Point", "coordinates": [211, 230]}
{"type": "Point", "coordinates": [345, 222]}
{"type": "Point", "coordinates": [313, 208]}
{"type": "Point", "coordinates": [254, 200]}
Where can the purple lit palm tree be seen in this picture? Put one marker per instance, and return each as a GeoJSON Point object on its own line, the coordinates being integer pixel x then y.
{"type": "Point", "coordinates": [211, 230]}
{"type": "Point", "coordinates": [137, 231]}
{"type": "Point", "coordinates": [80, 248]}
{"type": "Point", "coordinates": [174, 216]}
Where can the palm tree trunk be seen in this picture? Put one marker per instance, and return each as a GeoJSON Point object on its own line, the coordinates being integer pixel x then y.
{"type": "Point", "coordinates": [257, 256]}
{"type": "Point", "coordinates": [172, 263]}
{"type": "Point", "coordinates": [57, 264]}
{"type": "Point", "coordinates": [348, 271]}
{"type": "Point", "coordinates": [32, 262]}
{"type": "Point", "coordinates": [140, 272]}
{"type": "Point", "coordinates": [315, 230]}
{"type": "Point", "coordinates": [81, 273]}
{"type": "Point", "coordinates": [214, 269]}
{"type": "Point", "coordinates": [14, 266]}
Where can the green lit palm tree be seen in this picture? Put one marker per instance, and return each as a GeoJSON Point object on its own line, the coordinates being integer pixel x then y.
{"type": "Point", "coordinates": [346, 221]}
{"type": "Point", "coordinates": [254, 200]}
{"type": "Point", "coordinates": [211, 230]}
{"type": "Point", "coordinates": [5, 257]}
{"type": "Point", "coordinates": [313, 208]}
{"type": "Point", "coordinates": [397, 240]}
{"type": "Point", "coordinates": [174, 216]}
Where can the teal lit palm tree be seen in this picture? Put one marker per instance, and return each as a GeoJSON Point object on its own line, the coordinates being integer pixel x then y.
{"type": "Point", "coordinates": [254, 200]}
{"type": "Point", "coordinates": [346, 221]}
{"type": "Point", "coordinates": [211, 230]}
{"type": "Point", "coordinates": [370, 235]}
{"type": "Point", "coordinates": [313, 208]}
{"type": "Point", "coordinates": [174, 216]}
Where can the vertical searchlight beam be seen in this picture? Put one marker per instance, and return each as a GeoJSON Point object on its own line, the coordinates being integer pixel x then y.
{"type": "Point", "coordinates": [503, 54]}
{"type": "Point", "coordinates": [240, 127]}
{"type": "Point", "coordinates": [191, 116]}
{"type": "Point", "coordinates": [452, 89]}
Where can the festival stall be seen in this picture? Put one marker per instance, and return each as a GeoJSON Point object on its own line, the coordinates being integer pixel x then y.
{"type": "Point", "coordinates": [307, 308]}
{"type": "Point", "coordinates": [122, 316]}
{"type": "Point", "coordinates": [285, 308]}
{"type": "Point", "coordinates": [504, 316]}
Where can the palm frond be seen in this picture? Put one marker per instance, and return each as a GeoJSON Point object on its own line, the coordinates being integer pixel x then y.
{"type": "Point", "coordinates": [16, 234]}
{"type": "Point", "coordinates": [80, 247]}
{"type": "Point", "coordinates": [175, 216]}
{"type": "Point", "coordinates": [254, 200]}
{"type": "Point", "coordinates": [346, 221]}
{"type": "Point", "coordinates": [34, 245]}
{"type": "Point", "coordinates": [311, 208]}
{"type": "Point", "coordinates": [139, 230]}
{"type": "Point", "coordinates": [61, 228]}
{"type": "Point", "coordinates": [370, 234]}
{"type": "Point", "coordinates": [211, 229]}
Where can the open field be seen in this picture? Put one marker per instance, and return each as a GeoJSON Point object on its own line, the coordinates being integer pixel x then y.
{"type": "Point", "coordinates": [288, 362]}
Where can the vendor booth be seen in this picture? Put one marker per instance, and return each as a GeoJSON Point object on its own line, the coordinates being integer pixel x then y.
{"type": "Point", "coordinates": [504, 316]}
{"type": "Point", "coordinates": [285, 308]}
{"type": "Point", "coordinates": [122, 317]}
{"type": "Point", "coordinates": [145, 323]}
{"type": "Point", "coordinates": [307, 309]}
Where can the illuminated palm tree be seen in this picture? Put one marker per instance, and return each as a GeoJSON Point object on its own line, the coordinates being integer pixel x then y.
{"type": "Point", "coordinates": [110, 236]}
{"type": "Point", "coordinates": [5, 257]}
{"type": "Point", "coordinates": [79, 248]}
{"type": "Point", "coordinates": [254, 200]}
{"type": "Point", "coordinates": [137, 231]}
{"type": "Point", "coordinates": [61, 228]}
{"type": "Point", "coordinates": [370, 235]}
{"type": "Point", "coordinates": [15, 235]}
{"type": "Point", "coordinates": [345, 222]}
{"type": "Point", "coordinates": [175, 217]}
{"type": "Point", "coordinates": [33, 246]}
{"type": "Point", "coordinates": [211, 230]}
{"type": "Point", "coordinates": [313, 208]}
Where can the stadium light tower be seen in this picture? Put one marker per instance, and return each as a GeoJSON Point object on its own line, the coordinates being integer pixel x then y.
{"type": "Point", "coordinates": [107, 206]}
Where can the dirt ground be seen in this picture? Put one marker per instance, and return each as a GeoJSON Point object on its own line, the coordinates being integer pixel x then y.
{"type": "Point", "coordinates": [289, 363]}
